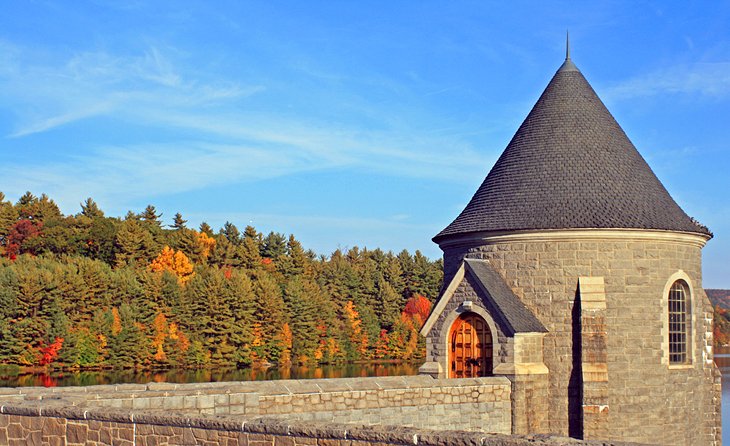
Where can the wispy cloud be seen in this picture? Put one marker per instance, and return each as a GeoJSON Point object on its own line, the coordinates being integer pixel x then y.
{"type": "Point", "coordinates": [706, 79]}
{"type": "Point", "coordinates": [47, 123]}
{"type": "Point", "coordinates": [90, 84]}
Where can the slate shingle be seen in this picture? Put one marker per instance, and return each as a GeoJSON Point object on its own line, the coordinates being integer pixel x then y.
{"type": "Point", "coordinates": [513, 312]}
{"type": "Point", "coordinates": [570, 166]}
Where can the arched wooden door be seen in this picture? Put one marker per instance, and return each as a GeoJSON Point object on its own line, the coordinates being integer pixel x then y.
{"type": "Point", "coordinates": [470, 347]}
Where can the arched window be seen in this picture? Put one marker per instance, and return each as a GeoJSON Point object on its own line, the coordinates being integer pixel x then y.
{"type": "Point", "coordinates": [679, 323]}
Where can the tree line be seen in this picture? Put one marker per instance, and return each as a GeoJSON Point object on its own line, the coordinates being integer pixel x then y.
{"type": "Point", "coordinates": [87, 290]}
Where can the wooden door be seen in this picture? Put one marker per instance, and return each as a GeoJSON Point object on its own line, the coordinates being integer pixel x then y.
{"type": "Point", "coordinates": [470, 347]}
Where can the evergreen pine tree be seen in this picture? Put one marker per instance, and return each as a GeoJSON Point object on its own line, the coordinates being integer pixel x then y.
{"type": "Point", "coordinates": [187, 242]}
{"type": "Point", "coordinates": [269, 313]}
{"type": "Point", "coordinates": [273, 246]}
{"type": "Point", "coordinates": [97, 241]}
{"type": "Point", "coordinates": [90, 209]}
{"type": "Point", "coordinates": [8, 216]}
{"type": "Point", "coordinates": [150, 215]}
{"type": "Point", "coordinates": [178, 222]}
{"type": "Point", "coordinates": [389, 304]}
{"type": "Point", "coordinates": [134, 245]}
{"type": "Point", "coordinates": [301, 306]}
{"type": "Point", "coordinates": [231, 233]}
{"type": "Point", "coordinates": [205, 228]}
{"type": "Point", "coordinates": [225, 254]}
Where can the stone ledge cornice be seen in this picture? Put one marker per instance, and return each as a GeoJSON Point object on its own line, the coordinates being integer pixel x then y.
{"type": "Point", "coordinates": [572, 235]}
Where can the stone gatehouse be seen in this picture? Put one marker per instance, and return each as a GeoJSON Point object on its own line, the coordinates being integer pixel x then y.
{"type": "Point", "coordinates": [572, 305]}
{"type": "Point", "coordinates": [573, 273]}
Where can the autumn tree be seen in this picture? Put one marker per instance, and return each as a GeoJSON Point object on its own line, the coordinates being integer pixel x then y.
{"type": "Point", "coordinates": [21, 236]}
{"type": "Point", "coordinates": [173, 261]}
{"type": "Point", "coordinates": [358, 340]}
{"type": "Point", "coordinates": [417, 309]}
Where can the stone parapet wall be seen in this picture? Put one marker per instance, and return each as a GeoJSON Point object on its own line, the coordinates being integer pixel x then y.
{"type": "Point", "coordinates": [482, 404]}
{"type": "Point", "coordinates": [31, 423]}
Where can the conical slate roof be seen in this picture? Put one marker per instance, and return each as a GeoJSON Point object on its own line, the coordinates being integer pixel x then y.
{"type": "Point", "coordinates": [570, 166]}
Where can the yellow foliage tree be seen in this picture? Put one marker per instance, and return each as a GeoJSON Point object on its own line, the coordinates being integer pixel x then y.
{"type": "Point", "coordinates": [116, 322]}
{"type": "Point", "coordinates": [174, 261]}
{"type": "Point", "coordinates": [358, 338]}
{"type": "Point", "coordinates": [206, 242]}
{"type": "Point", "coordinates": [257, 343]}
{"type": "Point", "coordinates": [286, 338]}
{"type": "Point", "coordinates": [182, 343]}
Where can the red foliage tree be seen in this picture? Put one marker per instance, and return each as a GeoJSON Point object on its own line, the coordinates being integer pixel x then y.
{"type": "Point", "coordinates": [20, 233]}
{"type": "Point", "coordinates": [417, 309]}
{"type": "Point", "coordinates": [49, 353]}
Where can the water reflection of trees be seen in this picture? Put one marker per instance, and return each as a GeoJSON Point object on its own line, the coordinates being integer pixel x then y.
{"type": "Point", "coordinates": [18, 378]}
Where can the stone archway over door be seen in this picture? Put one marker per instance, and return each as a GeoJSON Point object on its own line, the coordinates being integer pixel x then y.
{"type": "Point", "coordinates": [470, 347]}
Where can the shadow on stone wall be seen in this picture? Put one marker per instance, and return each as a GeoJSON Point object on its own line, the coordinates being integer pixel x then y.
{"type": "Point", "coordinates": [575, 385]}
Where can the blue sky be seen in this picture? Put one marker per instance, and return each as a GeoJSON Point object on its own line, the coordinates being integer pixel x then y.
{"type": "Point", "coordinates": [345, 123]}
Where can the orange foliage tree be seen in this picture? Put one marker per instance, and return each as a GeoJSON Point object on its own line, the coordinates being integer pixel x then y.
{"type": "Point", "coordinates": [175, 262]}
{"type": "Point", "coordinates": [382, 349]}
{"type": "Point", "coordinates": [158, 340]}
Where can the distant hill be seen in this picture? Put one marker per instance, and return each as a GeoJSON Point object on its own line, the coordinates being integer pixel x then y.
{"type": "Point", "coordinates": [721, 301]}
{"type": "Point", "coordinates": [719, 298]}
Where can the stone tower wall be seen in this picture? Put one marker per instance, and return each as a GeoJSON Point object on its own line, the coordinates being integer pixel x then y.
{"type": "Point", "coordinates": [648, 401]}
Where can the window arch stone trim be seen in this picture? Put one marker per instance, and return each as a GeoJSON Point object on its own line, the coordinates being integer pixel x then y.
{"type": "Point", "coordinates": [680, 275]}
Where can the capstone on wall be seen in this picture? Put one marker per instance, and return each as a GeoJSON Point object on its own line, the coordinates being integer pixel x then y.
{"type": "Point", "coordinates": [70, 426]}
{"type": "Point", "coordinates": [648, 401]}
{"type": "Point", "coordinates": [478, 404]}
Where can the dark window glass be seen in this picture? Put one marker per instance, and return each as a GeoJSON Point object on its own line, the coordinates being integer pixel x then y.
{"type": "Point", "coordinates": [679, 323]}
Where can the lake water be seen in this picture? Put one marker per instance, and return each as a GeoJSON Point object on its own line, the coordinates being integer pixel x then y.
{"type": "Point", "coordinates": [722, 359]}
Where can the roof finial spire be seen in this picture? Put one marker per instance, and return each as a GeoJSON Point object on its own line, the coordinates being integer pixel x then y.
{"type": "Point", "coordinates": [567, 44]}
